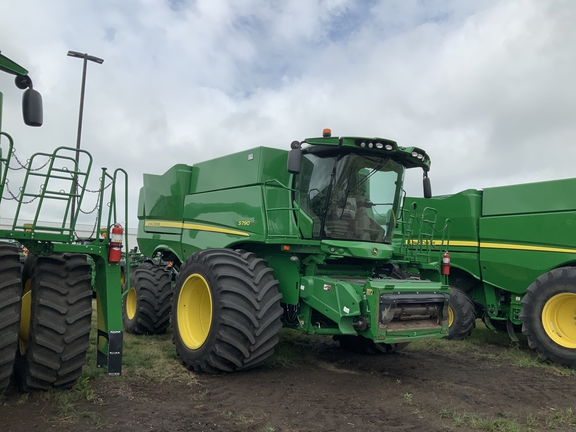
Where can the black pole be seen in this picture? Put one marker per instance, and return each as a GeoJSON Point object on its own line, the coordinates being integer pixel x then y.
{"type": "Point", "coordinates": [82, 91]}
{"type": "Point", "coordinates": [85, 57]}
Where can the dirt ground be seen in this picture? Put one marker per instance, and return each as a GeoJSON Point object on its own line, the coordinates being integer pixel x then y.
{"type": "Point", "coordinates": [411, 390]}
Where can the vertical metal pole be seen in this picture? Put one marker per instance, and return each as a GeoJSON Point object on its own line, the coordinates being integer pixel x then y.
{"type": "Point", "coordinates": [1, 111]}
{"type": "Point", "coordinates": [81, 106]}
{"type": "Point", "coordinates": [94, 59]}
{"type": "Point", "coordinates": [78, 138]}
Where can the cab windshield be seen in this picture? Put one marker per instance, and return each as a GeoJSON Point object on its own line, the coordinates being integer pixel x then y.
{"type": "Point", "coordinates": [350, 196]}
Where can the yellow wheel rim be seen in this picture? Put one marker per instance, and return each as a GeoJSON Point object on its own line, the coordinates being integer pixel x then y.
{"type": "Point", "coordinates": [131, 303]}
{"type": "Point", "coordinates": [559, 319]}
{"type": "Point", "coordinates": [122, 278]}
{"type": "Point", "coordinates": [25, 316]}
{"type": "Point", "coordinates": [194, 311]}
{"type": "Point", "coordinates": [450, 316]}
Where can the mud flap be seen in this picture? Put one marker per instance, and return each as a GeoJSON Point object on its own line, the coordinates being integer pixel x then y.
{"type": "Point", "coordinates": [112, 360]}
{"type": "Point", "coordinates": [511, 332]}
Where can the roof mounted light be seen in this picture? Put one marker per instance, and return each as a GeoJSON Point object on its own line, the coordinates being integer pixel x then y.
{"type": "Point", "coordinates": [375, 143]}
{"type": "Point", "coordinates": [327, 133]}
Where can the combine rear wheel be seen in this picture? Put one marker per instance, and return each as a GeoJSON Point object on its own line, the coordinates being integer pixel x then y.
{"type": "Point", "coordinates": [146, 306]}
{"type": "Point", "coordinates": [55, 322]}
{"type": "Point", "coordinates": [10, 298]}
{"type": "Point", "coordinates": [461, 315]}
{"type": "Point", "coordinates": [548, 316]}
{"type": "Point", "coordinates": [225, 311]}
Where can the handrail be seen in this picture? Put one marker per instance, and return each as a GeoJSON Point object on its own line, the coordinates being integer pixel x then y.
{"type": "Point", "coordinates": [5, 163]}
{"type": "Point", "coordinates": [419, 234]}
{"type": "Point", "coordinates": [267, 184]}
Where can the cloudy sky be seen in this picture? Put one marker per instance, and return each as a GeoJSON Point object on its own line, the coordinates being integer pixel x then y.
{"type": "Point", "coordinates": [487, 87]}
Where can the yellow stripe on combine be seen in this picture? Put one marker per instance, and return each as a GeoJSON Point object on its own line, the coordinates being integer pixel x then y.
{"type": "Point", "coordinates": [487, 245]}
{"type": "Point", "coordinates": [525, 247]}
{"type": "Point", "coordinates": [193, 227]}
{"type": "Point", "coordinates": [461, 243]}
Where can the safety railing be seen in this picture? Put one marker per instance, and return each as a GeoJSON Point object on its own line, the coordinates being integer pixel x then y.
{"type": "Point", "coordinates": [418, 236]}
{"type": "Point", "coordinates": [282, 224]}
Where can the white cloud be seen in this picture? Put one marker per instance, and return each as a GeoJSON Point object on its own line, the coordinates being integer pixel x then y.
{"type": "Point", "coordinates": [486, 87]}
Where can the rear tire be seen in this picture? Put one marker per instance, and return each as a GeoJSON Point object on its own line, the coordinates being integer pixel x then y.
{"type": "Point", "coordinates": [10, 304]}
{"type": "Point", "coordinates": [146, 306]}
{"type": "Point", "coordinates": [548, 311]}
{"type": "Point", "coordinates": [225, 311]}
{"type": "Point", "coordinates": [55, 330]}
{"type": "Point", "coordinates": [461, 315]}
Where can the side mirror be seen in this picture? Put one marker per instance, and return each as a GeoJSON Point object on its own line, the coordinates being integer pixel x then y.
{"type": "Point", "coordinates": [295, 161]}
{"type": "Point", "coordinates": [32, 108]}
{"type": "Point", "coordinates": [427, 186]}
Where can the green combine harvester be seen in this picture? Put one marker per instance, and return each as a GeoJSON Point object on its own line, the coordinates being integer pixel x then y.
{"type": "Point", "coordinates": [513, 253]}
{"type": "Point", "coordinates": [46, 307]}
{"type": "Point", "coordinates": [266, 238]}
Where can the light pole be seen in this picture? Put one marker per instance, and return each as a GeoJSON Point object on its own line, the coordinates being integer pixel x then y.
{"type": "Point", "coordinates": [86, 57]}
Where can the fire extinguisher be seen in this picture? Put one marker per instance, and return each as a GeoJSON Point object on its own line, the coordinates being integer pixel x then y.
{"type": "Point", "coordinates": [115, 245]}
{"type": "Point", "coordinates": [446, 264]}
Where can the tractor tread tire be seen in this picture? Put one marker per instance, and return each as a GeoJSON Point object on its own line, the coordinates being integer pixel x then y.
{"type": "Point", "coordinates": [464, 313]}
{"type": "Point", "coordinates": [10, 304]}
{"type": "Point", "coordinates": [153, 285]}
{"type": "Point", "coordinates": [246, 311]}
{"type": "Point", "coordinates": [546, 286]}
{"type": "Point", "coordinates": [60, 323]}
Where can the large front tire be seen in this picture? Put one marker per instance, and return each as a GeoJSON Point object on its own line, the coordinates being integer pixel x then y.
{"type": "Point", "coordinates": [146, 306]}
{"type": "Point", "coordinates": [55, 324]}
{"type": "Point", "coordinates": [225, 311]}
{"type": "Point", "coordinates": [461, 315]}
{"type": "Point", "coordinates": [548, 316]}
{"type": "Point", "coordinates": [10, 300]}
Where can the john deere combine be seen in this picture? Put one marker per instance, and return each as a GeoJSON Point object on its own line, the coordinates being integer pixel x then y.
{"type": "Point", "coordinates": [266, 237]}
{"type": "Point", "coordinates": [513, 251]}
{"type": "Point", "coordinates": [46, 308]}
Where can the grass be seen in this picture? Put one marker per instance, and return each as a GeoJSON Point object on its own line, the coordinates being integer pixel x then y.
{"type": "Point", "coordinates": [546, 420]}
{"type": "Point", "coordinates": [153, 358]}
{"type": "Point", "coordinates": [150, 358]}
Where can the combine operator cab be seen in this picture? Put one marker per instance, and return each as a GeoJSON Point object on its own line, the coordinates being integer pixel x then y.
{"type": "Point", "coordinates": [334, 190]}
{"type": "Point", "coordinates": [351, 188]}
